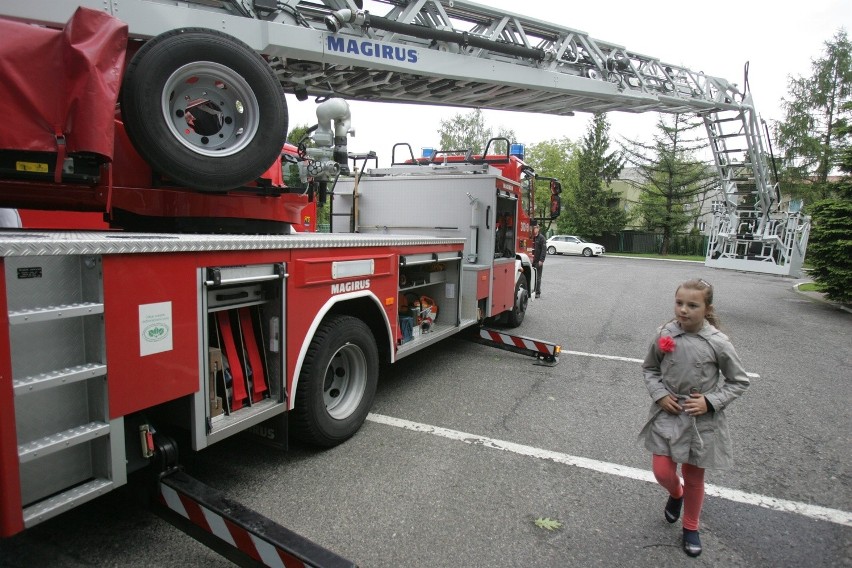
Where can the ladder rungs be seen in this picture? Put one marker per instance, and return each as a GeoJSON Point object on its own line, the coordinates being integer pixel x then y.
{"type": "Point", "coordinates": [61, 440]}
{"type": "Point", "coordinates": [721, 120]}
{"type": "Point", "coordinates": [66, 376]}
{"type": "Point", "coordinates": [61, 502]}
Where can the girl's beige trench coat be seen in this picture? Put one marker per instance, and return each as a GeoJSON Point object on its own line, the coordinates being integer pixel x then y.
{"type": "Point", "coordinates": [706, 361]}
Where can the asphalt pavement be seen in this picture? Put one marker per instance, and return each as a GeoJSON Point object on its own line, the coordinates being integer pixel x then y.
{"type": "Point", "coordinates": [469, 446]}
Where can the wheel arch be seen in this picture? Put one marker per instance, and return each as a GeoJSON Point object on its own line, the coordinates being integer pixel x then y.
{"type": "Point", "coordinates": [363, 305]}
{"type": "Point", "coordinates": [523, 266]}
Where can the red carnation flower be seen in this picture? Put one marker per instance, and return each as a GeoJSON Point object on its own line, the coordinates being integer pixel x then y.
{"type": "Point", "coordinates": [666, 344]}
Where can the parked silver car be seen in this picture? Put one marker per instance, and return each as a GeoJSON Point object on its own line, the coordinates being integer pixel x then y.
{"type": "Point", "coordinates": [569, 244]}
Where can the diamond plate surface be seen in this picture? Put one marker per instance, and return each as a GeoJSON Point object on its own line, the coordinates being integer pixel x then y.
{"type": "Point", "coordinates": [61, 440]}
{"type": "Point", "coordinates": [66, 500]}
{"type": "Point", "coordinates": [35, 243]}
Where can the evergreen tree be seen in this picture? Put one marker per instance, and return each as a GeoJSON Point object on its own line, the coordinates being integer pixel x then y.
{"type": "Point", "coordinates": [816, 142]}
{"type": "Point", "coordinates": [591, 209]}
{"type": "Point", "coordinates": [843, 188]}
{"type": "Point", "coordinates": [830, 246]}
{"type": "Point", "coordinates": [815, 114]}
{"type": "Point", "coordinates": [673, 183]}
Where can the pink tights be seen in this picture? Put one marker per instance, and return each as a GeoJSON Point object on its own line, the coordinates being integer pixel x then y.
{"type": "Point", "coordinates": [692, 490]}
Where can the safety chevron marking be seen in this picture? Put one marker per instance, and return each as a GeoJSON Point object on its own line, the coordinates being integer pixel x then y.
{"type": "Point", "coordinates": [229, 532]}
{"type": "Point", "coordinates": [518, 341]}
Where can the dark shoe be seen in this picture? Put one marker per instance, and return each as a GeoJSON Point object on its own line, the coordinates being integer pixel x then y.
{"type": "Point", "coordinates": [673, 509]}
{"type": "Point", "coordinates": [538, 295]}
{"type": "Point", "coordinates": [691, 543]}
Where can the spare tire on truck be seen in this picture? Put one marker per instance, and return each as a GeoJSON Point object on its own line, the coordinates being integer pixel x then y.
{"type": "Point", "coordinates": [203, 109]}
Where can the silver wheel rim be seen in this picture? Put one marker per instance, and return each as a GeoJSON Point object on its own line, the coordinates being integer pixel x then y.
{"type": "Point", "coordinates": [210, 109]}
{"type": "Point", "coordinates": [345, 381]}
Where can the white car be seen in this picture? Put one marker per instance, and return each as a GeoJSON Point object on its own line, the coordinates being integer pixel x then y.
{"type": "Point", "coordinates": [569, 244]}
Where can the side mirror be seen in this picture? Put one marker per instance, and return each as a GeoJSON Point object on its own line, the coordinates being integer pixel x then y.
{"type": "Point", "coordinates": [555, 200]}
{"type": "Point", "coordinates": [555, 205]}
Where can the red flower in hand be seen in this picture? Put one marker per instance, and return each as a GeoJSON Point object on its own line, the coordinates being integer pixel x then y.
{"type": "Point", "coordinates": [666, 344]}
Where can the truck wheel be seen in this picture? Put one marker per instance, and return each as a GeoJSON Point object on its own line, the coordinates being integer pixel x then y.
{"type": "Point", "coordinates": [522, 297]}
{"type": "Point", "coordinates": [337, 383]}
{"type": "Point", "coordinates": [204, 109]}
{"type": "Point", "coordinates": [587, 251]}
{"type": "Point", "coordinates": [551, 250]}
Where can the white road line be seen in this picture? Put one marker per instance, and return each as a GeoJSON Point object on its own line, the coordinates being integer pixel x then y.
{"type": "Point", "coordinates": [813, 511]}
{"type": "Point", "coordinates": [651, 258]}
{"type": "Point", "coordinates": [628, 359]}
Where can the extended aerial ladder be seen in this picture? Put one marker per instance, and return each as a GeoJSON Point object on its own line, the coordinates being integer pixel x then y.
{"type": "Point", "coordinates": [750, 231]}
{"type": "Point", "coordinates": [469, 55]}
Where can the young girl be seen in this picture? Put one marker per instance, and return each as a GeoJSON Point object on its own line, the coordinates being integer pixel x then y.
{"type": "Point", "coordinates": [692, 373]}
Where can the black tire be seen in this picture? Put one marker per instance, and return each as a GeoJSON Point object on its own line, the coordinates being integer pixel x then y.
{"type": "Point", "coordinates": [587, 251]}
{"type": "Point", "coordinates": [337, 383]}
{"type": "Point", "coordinates": [551, 250]}
{"type": "Point", "coordinates": [237, 134]}
{"type": "Point", "coordinates": [522, 297]}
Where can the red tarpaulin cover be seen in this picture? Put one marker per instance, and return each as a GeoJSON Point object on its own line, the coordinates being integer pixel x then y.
{"type": "Point", "coordinates": [61, 82]}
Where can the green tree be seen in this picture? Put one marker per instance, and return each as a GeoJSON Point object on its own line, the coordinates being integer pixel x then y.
{"type": "Point", "coordinates": [830, 245]}
{"type": "Point", "coordinates": [297, 133]}
{"type": "Point", "coordinates": [470, 132]}
{"type": "Point", "coordinates": [830, 248]}
{"type": "Point", "coordinates": [557, 159]}
{"type": "Point", "coordinates": [844, 154]}
{"type": "Point", "coordinates": [673, 183]}
{"type": "Point", "coordinates": [815, 115]}
{"type": "Point", "coordinates": [592, 209]}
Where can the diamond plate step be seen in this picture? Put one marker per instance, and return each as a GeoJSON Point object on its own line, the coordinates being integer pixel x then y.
{"type": "Point", "coordinates": [51, 379]}
{"type": "Point", "coordinates": [61, 502]}
{"type": "Point", "coordinates": [61, 440]}
{"type": "Point", "coordinates": [55, 312]}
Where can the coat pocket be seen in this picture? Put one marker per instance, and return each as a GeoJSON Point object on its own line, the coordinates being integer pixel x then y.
{"type": "Point", "coordinates": [703, 446]}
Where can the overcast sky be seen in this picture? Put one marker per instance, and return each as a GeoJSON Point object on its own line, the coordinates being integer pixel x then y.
{"type": "Point", "coordinates": [779, 39]}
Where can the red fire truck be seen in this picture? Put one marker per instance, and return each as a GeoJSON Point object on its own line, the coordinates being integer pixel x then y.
{"type": "Point", "coordinates": [208, 313]}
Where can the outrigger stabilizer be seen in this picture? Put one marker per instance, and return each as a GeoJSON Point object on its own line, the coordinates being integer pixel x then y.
{"type": "Point", "coordinates": [241, 535]}
{"type": "Point", "coordinates": [545, 353]}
